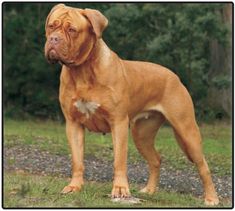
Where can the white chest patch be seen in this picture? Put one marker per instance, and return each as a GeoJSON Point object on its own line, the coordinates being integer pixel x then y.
{"type": "Point", "coordinates": [87, 108]}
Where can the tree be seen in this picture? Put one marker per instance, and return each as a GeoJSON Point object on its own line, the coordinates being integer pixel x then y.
{"type": "Point", "coordinates": [180, 36]}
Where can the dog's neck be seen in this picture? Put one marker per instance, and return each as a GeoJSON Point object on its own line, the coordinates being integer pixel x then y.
{"type": "Point", "coordinates": [89, 70]}
{"type": "Point", "coordinates": [99, 54]}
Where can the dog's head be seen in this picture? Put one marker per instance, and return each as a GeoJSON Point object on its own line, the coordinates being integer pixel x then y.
{"type": "Point", "coordinates": [71, 34]}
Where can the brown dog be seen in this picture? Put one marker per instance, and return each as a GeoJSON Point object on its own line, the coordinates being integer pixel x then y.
{"type": "Point", "coordinates": [104, 93]}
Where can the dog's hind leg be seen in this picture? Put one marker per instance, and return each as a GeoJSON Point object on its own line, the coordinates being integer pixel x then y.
{"type": "Point", "coordinates": [179, 111]}
{"type": "Point", "coordinates": [144, 131]}
{"type": "Point", "coordinates": [189, 139]}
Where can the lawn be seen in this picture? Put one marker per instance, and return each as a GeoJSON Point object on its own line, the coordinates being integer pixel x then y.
{"type": "Point", "coordinates": [26, 190]}
{"type": "Point", "coordinates": [42, 191]}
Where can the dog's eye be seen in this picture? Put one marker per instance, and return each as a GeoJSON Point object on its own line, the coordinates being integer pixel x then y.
{"type": "Point", "coordinates": [72, 30]}
{"type": "Point", "coordinates": [51, 26]}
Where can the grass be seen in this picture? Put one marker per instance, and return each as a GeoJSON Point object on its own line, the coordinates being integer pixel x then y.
{"type": "Point", "coordinates": [22, 190]}
{"type": "Point", "coordinates": [25, 190]}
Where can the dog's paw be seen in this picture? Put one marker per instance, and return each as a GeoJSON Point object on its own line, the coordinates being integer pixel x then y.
{"type": "Point", "coordinates": [70, 189]}
{"type": "Point", "coordinates": [211, 201]}
{"type": "Point", "coordinates": [120, 192]}
{"type": "Point", "coordinates": [148, 190]}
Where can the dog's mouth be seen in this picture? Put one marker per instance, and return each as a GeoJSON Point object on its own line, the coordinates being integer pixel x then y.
{"type": "Point", "coordinates": [53, 57]}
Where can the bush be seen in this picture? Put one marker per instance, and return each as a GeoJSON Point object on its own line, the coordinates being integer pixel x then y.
{"type": "Point", "coordinates": [177, 36]}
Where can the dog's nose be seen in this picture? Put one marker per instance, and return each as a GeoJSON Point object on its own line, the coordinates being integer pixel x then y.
{"type": "Point", "coordinates": [54, 39]}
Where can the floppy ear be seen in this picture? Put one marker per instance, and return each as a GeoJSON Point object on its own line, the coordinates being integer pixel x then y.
{"type": "Point", "coordinates": [52, 10]}
{"type": "Point", "coordinates": [98, 21]}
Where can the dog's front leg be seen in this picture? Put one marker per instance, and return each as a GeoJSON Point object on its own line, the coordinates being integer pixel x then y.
{"type": "Point", "coordinates": [75, 135]}
{"type": "Point", "coordinates": [120, 143]}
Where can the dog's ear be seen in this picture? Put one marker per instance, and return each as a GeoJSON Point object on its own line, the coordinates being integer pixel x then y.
{"type": "Point", "coordinates": [98, 21]}
{"type": "Point", "coordinates": [52, 10]}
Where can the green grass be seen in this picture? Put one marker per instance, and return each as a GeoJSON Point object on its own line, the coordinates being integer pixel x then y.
{"type": "Point", "coordinates": [25, 190]}
{"type": "Point", "coordinates": [42, 191]}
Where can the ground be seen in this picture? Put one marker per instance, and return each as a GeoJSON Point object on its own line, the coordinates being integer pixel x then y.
{"type": "Point", "coordinates": [37, 166]}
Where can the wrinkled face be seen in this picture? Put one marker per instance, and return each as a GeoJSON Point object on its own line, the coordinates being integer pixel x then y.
{"type": "Point", "coordinates": [70, 35]}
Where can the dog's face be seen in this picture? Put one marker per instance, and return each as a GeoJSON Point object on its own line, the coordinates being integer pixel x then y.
{"type": "Point", "coordinates": [72, 33]}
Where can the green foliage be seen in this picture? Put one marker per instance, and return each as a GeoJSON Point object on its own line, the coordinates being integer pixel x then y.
{"type": "Point", "coordinates": [175, 35]}
{"type": "Point", "coordinates": [221, 81]}
{"type": "Point", "coordinates": [30, 84]}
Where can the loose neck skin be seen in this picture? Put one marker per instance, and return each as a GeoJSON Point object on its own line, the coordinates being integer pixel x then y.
{"type": "Point", "coordinates": [87, 72]}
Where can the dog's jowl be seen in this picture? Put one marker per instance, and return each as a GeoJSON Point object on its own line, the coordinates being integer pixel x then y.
{"type": "Point", "coordinates": [104, 93]}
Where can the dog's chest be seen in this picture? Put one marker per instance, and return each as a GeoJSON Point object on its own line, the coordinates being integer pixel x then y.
{"type": "Point", "coordinates": [87, 107]}
{"type": "Point", "coordinates": [86, 104]}
{"type": "Point", "coordinates": [91, 114]}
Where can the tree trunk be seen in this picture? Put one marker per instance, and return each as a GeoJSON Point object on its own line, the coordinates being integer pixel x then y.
{"type": "Point", "coordinates": [220, 99]}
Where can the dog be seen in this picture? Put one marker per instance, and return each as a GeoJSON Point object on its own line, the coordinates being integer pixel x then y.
{"type": "Point", "coordinates": [103, 93]}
